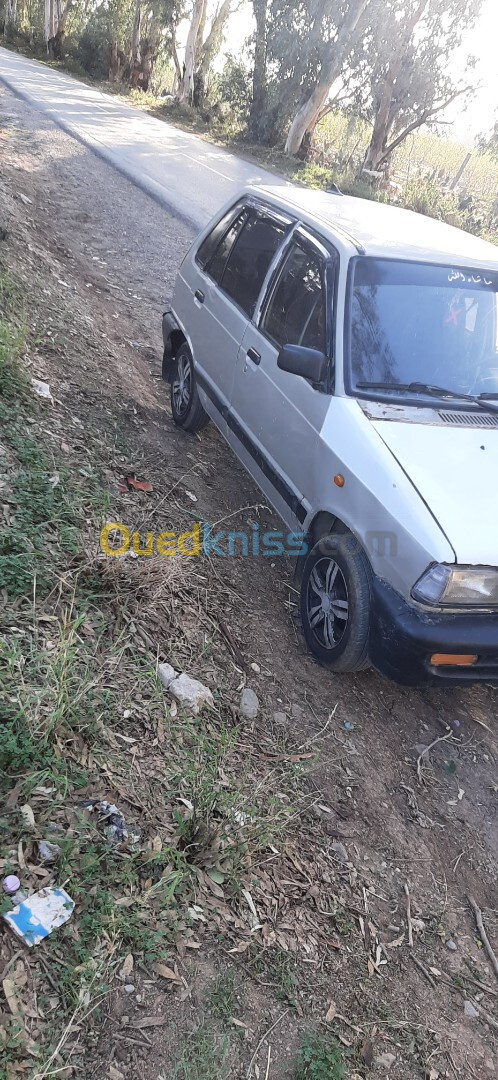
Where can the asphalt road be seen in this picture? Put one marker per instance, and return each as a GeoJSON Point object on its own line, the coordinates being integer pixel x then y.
{"type": "Point", "coordinates": [183, 172]}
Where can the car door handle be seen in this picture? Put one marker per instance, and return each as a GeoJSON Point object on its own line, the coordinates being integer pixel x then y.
{"type": "Point", "coordinates": [254, 355]}
{"type": "Point", "coordinates": [199, 296]}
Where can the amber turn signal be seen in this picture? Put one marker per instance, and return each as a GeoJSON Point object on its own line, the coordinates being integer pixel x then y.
{"type": "Point", "coordinates": [451, 660]}
{"type": "Point", "coordinates": [339, 480]}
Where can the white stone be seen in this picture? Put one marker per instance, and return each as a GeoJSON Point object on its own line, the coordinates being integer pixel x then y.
{"type": "Point", "coordinates": [385, 1061]}
{"type": "Point", "coordinates": [470, 1010]}
{"type": "Point", "coordinates": [166, 674]}
{"type": "Point", "coordinates": [42, 389]}
{"type": "Point", "coordinates": [249, 704]}
{"type": "Point", "coordinates": [190, 692]}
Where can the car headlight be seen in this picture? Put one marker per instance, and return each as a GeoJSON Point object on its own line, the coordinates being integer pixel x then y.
{"type": "Point", "coordinates": [458, 586]}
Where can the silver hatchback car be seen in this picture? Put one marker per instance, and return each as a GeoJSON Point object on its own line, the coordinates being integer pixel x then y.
{"type": "Point", "coordinates": [348, 352]}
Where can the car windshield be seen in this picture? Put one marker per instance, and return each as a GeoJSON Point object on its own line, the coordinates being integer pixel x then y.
{"type": "Point", "coordinates": [416, 325]}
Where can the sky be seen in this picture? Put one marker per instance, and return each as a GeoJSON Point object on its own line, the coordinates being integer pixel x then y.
{"type": "Point", "coordinates": [482, 110]}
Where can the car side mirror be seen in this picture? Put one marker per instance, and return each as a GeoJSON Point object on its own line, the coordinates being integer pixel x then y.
{"type": "Point", "coordinates": [309, 363]}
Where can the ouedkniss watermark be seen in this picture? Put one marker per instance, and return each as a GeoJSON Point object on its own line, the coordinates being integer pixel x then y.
{"type": "Point", "coordinates": [200, 539]}
{"type": "Point", "coordinates": [116, 539]}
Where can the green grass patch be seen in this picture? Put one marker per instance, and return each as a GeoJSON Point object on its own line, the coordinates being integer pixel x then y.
{"type": "Point", "coordinates": [320, 1057]}
{"type": "Point", "coordinates": [205, 1056]}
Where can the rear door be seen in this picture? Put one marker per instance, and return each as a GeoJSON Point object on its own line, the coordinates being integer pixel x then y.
{"type": "Point", "coordinates": [230, 267]}
{"type": "Point", "coordinates": [276, 417]}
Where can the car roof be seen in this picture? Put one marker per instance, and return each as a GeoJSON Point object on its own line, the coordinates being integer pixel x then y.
{"type": "Point", "coordinates": [379, 229]}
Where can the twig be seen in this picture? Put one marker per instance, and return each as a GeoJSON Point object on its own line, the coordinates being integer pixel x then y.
{"type": "Point", "coordinates": [483, 935]}
{"type": "Point", "coordinates": [409, 916]}
{"type": "Point", "coordinates": [425, 752]}
{"type": "Point", "coordinates": [261, 1041]}
{"type": "Point", "coordinates": [268, 1065]}
{"type": "Point", "coordinates": [485, 1015]}
{"type": "Point", "coordinates": [424, 971]}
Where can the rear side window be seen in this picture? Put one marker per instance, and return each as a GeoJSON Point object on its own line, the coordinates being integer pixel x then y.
{"type": "Point", "coordinates": [211, 241]}
{"type": "Point", "coordinates": [296, 312]}
{"type": "Point", "coordinates": [216, 265]}
{"type": "Point", "coordinates": [249, 260]}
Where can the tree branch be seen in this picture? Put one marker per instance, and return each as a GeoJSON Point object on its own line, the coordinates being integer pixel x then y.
{"type": "Point", "coordinates": [420, 120]}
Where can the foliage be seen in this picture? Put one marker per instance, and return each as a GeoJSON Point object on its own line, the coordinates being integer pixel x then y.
{"type": "Point", "coordinates": [320, 1058]}
{"type": "Point", "coordinates": [233, 87]}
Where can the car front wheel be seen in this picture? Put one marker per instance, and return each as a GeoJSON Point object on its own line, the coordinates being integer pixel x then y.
{"type": "Point", "coordinates": [186, 407]}
{"type": "Point", "coordinates": [336, 604]}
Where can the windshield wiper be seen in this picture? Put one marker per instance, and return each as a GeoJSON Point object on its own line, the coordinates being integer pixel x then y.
{"type": "Point", "coordinates": [482, 401]}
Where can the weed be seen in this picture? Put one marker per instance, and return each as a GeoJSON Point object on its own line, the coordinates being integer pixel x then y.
{"type": "Point", "coordinates": [320, 1057]}
{"type": "Point", "coordinates": [205, 1056]}
{"type": "Point", "coordinates": [221, 997]}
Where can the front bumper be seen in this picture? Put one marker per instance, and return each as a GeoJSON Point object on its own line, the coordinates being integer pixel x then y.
{"type": "Point", "coordinates": [403, 638]}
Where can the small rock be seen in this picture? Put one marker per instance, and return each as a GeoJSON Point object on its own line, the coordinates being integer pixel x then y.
{"type": "Point", "coordinates": [451, 945]}
{"type": "Point", "coordinates": [385, 1061]}
{"type": "Point", "coordinates": [249, 704]}
{"type": "Point", "coordinates": [48, 852]}
{"type": "Point", "coordinates": [340, 851]}
{"type": "Point", "coordinates": [11, 884]}
{"type": "Point", "coordinates": [129, 988]}
{"type": "Point", "coordinates": [470, 1010]}
{"type": "Point", "coordinates": [348, 726]}
{"type": "Point", "coordinates": [489, 1064]}
{"type": "Point", "coordinates": [255, 667]}
{"type": "Point", "coordinates": [418, 925]}
{"type": "Point", "coordinates": [296, 711]}
{"type": "Point", "coordinates": [280, 719]}
{"type": "Point", "coordinates": [191, 693]}
{"type": "Point", "coordinates": [166, 674]}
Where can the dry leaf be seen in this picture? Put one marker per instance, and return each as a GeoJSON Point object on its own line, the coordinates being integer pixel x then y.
{"type": "Point", "coordinates": [331, 1012]}
{"type": "Point", "coordinates": [367, 1053]}
{"type": "Point", "coordinates": [239, 1023]}
{"type": "Point", "coordinates": [371, 966]}
{"type": "Point", "coordinates": [115, 1074]}
{"type": "Point", "coordinates": [166, 972]}
{"type": "Point", "coordinates": [127, 967]}
{"type": "Point", "coordinates": [9, 989]}
{"type": "Point", "coordinates": [149, 1021]}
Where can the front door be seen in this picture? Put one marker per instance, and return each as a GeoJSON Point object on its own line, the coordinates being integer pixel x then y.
{"type": "Point", "coordinates": [276, 417]}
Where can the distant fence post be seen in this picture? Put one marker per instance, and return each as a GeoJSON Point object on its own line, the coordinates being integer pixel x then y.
{"type": "Point", "coordinates": [458, 175]}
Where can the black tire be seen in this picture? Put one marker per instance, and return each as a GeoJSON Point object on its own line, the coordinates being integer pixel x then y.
{"type": "Point", "coordinates": [186, 407]}
{"type": "Point", "coordinates": [336, 602]}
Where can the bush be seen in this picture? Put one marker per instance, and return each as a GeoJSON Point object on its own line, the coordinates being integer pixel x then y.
{"type": "Point", "coordinates": [426, 197]}
{"type": "Point", "coordinates": [233, 87]}
{"type": "Point", "coordinates": [92, 51]}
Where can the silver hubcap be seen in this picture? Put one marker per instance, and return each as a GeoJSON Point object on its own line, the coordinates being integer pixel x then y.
{"type": "Point", "coordinates": [182, 385]}
{"type": "Point", "coordinates": [327, 603]}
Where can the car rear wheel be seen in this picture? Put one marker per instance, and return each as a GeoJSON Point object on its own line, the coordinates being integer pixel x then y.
{"type": "Point", "coordinates": [186, 407]}
{"type": "Point", "coordinates": [336, 604]}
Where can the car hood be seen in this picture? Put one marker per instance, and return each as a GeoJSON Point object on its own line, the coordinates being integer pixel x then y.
{"type": "Point", "coordinates": [455, 471]}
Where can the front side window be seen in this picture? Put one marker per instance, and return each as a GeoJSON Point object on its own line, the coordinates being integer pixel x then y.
{"type": "Point", "coordinates": [296, 312]}
{"type": "Point", "coordinates": [415, 323]}
{"type": "Point", "coordinates": [250, 259]}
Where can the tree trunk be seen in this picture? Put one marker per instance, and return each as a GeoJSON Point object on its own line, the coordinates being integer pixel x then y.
{"type": "Point", "coordinates": [10, 16]}
{"type": "Point", "coordinates": [49, 21]}
{"type": "Point", "coordinates": [307, 116]}
{"type": "Point", "coordinates": [135, 34]}
{"type": "Point", "coordinates": [259, 72]}
{"type": "Point", "coordinates": [209, 50]}
{"type": "Point", "coordinates": [187, 85]}
{"type": "Point", "coordinates": [384, 116]}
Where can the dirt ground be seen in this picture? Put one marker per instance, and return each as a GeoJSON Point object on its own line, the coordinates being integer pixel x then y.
{"type": "Point", "coordinates": [109, 257]}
